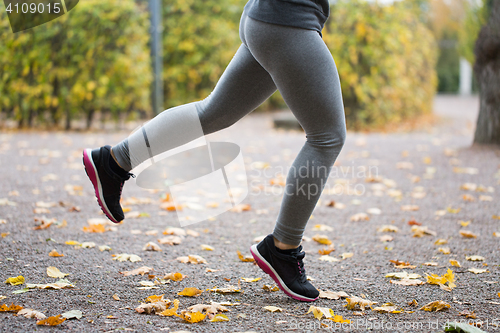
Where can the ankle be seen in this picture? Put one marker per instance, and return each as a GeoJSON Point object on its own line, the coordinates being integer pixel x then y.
{"type": "Point", "coordinates": [114, 158]}
{"type": "Point", "coordinates": [283, 246]}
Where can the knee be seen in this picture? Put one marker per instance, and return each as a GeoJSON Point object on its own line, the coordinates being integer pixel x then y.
{"type": "Point", "coordinates": [332, 139]}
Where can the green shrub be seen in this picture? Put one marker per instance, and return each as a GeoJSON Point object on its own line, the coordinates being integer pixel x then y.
{"type": "Point", "coordinates": [386, 60]}
{"type": "Point", "coordinates": [95, 58]}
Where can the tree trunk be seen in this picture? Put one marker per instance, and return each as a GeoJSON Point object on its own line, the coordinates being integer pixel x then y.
{"type": "Point", "coordinates": [487, 71]}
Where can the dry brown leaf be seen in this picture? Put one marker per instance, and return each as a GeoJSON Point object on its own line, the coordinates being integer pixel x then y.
{"type": "Point", "coordinates": [408, 282]}
{"type": "Point", "coordinates": [116, 297]}
{"type": "Point", "coordinates": [210, 310]}
{"type": "Point", "coordinates": [170, 240]}
{"type": "Point", "coordinates": [51, 321]}
{"type": "Point", "coordinates": [435, 306]}
{"type": "Point", "coordinates": [332, 294]}
{"type": "Point", "coordinates": [360, 217]}
{"type": "Point", "coordinates": [156, 307]}
{"type": "Point", "coordinates": [175, 276]}
{"type": "Point", "coordinates": [193, 259]}
{"type": "Point", "coordinates": [138, 271]}
{"type": "Point", "coordinates": [420, 231]}
{"type": "Point", "coordinates": [272, 308]}
{"type": "Point", "coordinates": [151, 246]}
{"type": "Point", "coordinates": [30, 313]}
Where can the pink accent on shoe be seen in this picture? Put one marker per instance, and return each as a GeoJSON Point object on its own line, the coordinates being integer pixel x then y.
{"type": "Point", "coordinates": [91, 172]}
{"type": "Point", "coordinates": [269, 270]}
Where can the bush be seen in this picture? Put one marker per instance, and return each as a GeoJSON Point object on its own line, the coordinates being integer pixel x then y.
{"type": "Point", "coordinates": [386, 61]}
{"type": "Point", "coordinates": [199, 40]}
{"type": "Point", "coordinates": [95, 58]}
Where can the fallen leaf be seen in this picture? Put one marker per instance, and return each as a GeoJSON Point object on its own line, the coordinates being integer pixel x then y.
{"type": "Point", "coordinates": [174, 231]}
{"type": "Point", "coordinates": [455, 263]}
{"type": "Point", "coordinates": [14, 281]}
{"type": "Point", "coordinates": [419, 231]}
{"type": "Point", "coordinates": [192, 317]}
{"type": "Point", "coordinates": [441, 241]}
{"type": "Point", "coordinates": [320, 312]}
{"type": "Point", "coordinates": [155, 307]}
{"type": "Point", "coordinates": [409, 208]}
{"type": "Point", "coordinates": [151, 246]}
{"type": "Point", "coordinates": [448, 278]}
{"type": "Point", "coordinates": [444, 250]}
{"type": "Point", "coordinates": [116, 297]}
{"type": "Point", "coordinates": [88, 245]}
{"type": "Point", "coordinates": [30, 313]}
{"type": "Point", "coordinates": [77, 314]}
{"type": "Point", "coordinates": [72, 242]}
{"type": "Point", "coordinates": [190, 292]}
{"type": "Point", "coordinates": [210, 310]}
{"type": "Point", "coordinates": [328, 258]}
{"type": "Point", "coordinates": [346, 255]}
{"type": "Point", "coordinates": [124, 257]}
{"type": "Point", "coordinates": [246, 258]}
{"type": "Point", "coordinates": [60, 284]}
{"type": "Point", "coordinates": [55, 272]}
{"type": "Point", "coordinates": [386, 238]}
{"type": "Point", "coordinates": [322, 239]}
{"type": "Point", "coordinates": [388, 228]}
{"type": "Point", "coordinates": [474, 258]}
{"type": "Point", "coordinates": [206, 247]}
{"type": "Point", "coordinates": [241, 208]}
{"type": "Point", "coordinates": [172, 311]}
{"type": "Point", "coordinates": [322, 227]}
{"type": "Point", "coordinates": [268, 287]}
{"type": "Point", "coordinates": [251, 279]}
{"type": "Point", "coordinates": [95, 228]}
{"type": "Point", "coordinates": [407, 282]}
{"type": "Point", "coordinates": [332, 294]}
{"type": "Point", "coordinates": [11, 308]}
{"type": "Point", "coordinates": [360, 217]}
{"type": "Point", "coordinates": [478, 270]}
{"type": "Point", "coordinates": [355, 302]}
{"type": "Point", "coordinates": [226, 290]}
{"type": "Point", "coordinates": [138, 271]}
{"type": "Point", "coordinates": [175, 276]}
{"type": "Point", "coordinates": [54, 253]}
{"type": "Point", "coordinates": [435, 306]}
{"type": "Point", "coordinates": [386, 308]}
{"type": "Point", "coordinates": [467, 234]}
{"type": "Point", "coordinates": [193, 259]}
{"type": "Point", "coordinates": [327, 250]}
{"type": "Point", "coordinates": [51, 321]}
{"type": "Point", "coordinates": [219, 317]}
{"type": "Point", "coordinates": [272, 308]}
{"type": "Point", "coordinates": [403, 275]}
{"type": "Point", "coordinates": [170, 240]}
{"type": "Point", "coordinates": [103, 248]}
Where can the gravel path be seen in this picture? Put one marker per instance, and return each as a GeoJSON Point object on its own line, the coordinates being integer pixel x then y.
{"type": "Point", "coordinates": [423, 170]}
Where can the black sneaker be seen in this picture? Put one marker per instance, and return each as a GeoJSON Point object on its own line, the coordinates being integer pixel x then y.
{"type": "Point", "coordinates": [107, 183]}
{"type": "Point", "coordinates": [287, 270]}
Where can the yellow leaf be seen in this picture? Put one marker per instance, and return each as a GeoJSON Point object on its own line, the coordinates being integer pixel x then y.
{"type": "Point", "coordinates": [54, 253]}
{"type": "Point", "coordinates": [190, 292]}
{"type": "Point", "coordinates": [273, 308]}
{"type": "Point", "coordinates": [346, 255]}
{"type": "Point", "coordinates": [320, 312]}
{"type": "Point", "coordinates": [96, 228]}
{"type": "Point", "coordinates": [192, 317]}
{"type": "Point", "coordinates": [172, 311]}
{"type": "Point", "coordinates": [72, 242]}
{"type": "Point", "coordinates": [245, 259]}
{"type": "Point", "coordinates": [339, 319]}
{"type": "Point", "coordinates": [435, 306]}
{"type": "Point", "coordinates": [55, 272]}
{"type": "Point", "coordinates": [51, 321]}
{"type": "Point", "coordinates": [268, 287]}
{"type": "Point", "coordinates": [206, 247]}
{"type": "Point", "coordinates": [251, 279]}
{"type": "Point", "coordinates": [154, 298]}
{"type": "Point", "coordinates": [441, 241]}
{"type": "Point", "coordinates": [467, 234]}
{"type": "Point", "coordinates": [455, 263]}
{"type": "Point", "coordinates": [445, 250]}
{"type": "Point", "coordinates": [14, 281]}
{"type": "Point", "coordinates": [322, 239]}
{"type": "Point", "coordinates": [354, 301]}
{"type": "Point", "coordinates": [219, 317]}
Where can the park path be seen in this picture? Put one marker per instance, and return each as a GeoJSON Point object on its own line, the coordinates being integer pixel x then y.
{"type": "Point", "coordinates": [431, 175]}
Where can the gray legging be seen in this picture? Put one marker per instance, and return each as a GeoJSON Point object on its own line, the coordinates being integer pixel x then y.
{"type": "Point", "coordinates": [299, 64]}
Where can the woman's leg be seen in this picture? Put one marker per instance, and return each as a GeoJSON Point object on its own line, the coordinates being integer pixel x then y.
{"type": "Point", "coordinates": [304, 71]}
{"type": "Point", "coordinates": [243, 86]}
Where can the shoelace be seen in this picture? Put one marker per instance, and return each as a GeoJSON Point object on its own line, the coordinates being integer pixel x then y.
{"type": "Point", "coordinates": [302, 271]}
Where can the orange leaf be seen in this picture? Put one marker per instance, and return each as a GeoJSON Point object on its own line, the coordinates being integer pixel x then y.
{"type": "Point", "coordinates": [192, 317]}
{"type": "Point", "coordinates": [154, 298]}
{"type": "Point", "coordinates": [171, 312]}
{"type": "Point", "coordinates": [54, 253]}
{"type": "Point", "coordinates": [174, 276]}
{"type": "Point", "coordinates": [11, 308]}
{"type": "Point", "coordinates": [51, 321]}
{"type": "Point", "coordinates": [413, 222]}
{"type": "Point", "coordinates": [97, 228]}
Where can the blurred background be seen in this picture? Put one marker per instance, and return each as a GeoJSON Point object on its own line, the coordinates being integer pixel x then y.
{"type": "Point", "coordinates": [93, 65]}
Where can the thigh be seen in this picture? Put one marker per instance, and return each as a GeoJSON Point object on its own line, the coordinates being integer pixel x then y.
{"type": "Point", "coordinates": [304, 72]}
{"type": "Point", "coordinates": [244, 85]}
